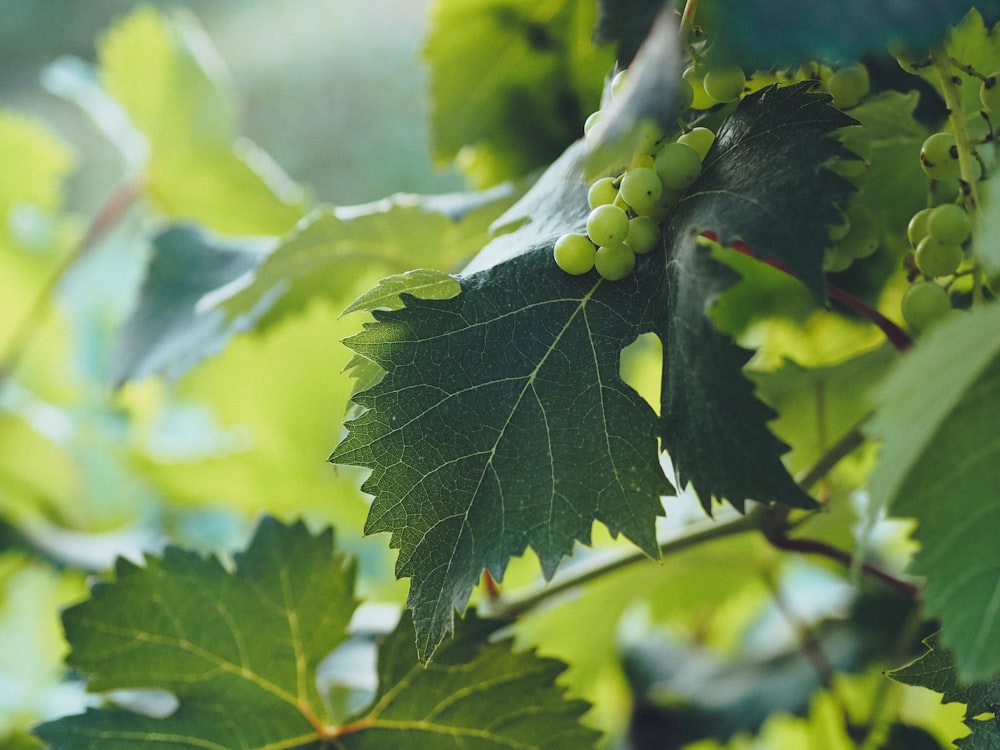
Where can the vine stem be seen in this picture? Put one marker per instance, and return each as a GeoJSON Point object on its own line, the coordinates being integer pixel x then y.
{"type": "Point", "coordinates": [964, 145]}
{"type": "Point", "coordinates": [687, 18]}
{"type": "Point", "coordinates": [109, 214]}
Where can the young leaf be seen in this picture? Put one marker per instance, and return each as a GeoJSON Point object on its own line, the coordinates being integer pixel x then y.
{"type": "Point", "coordinates": [940, 464]}
{"type": "Point", "coordinates": [936, 670]}
{"type": "Point", "coordinates": [502, 423]}
{"type": "Point", "coordinates": [239, 651]}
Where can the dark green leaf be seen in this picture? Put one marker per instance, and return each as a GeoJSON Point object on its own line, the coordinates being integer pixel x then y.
{"type": "Point", "coordinates": [168, 331]}
{"type": "Point", "coordinates": [765, 33]}
{"type": "Point", "coordinates": [239, 649]}
{"type": "Point", "coordinates": [907, 737]}
{"type": "Point", "coordinates": [626, 22]}
{"type": "Point", "coordinates": [502, 424]}
{"type": "Point", "coordinates": [985, 735]}
{"type": "Point", "coordinates": [474, 694]}
{"type": "Point", "coordinates": [940, 464]}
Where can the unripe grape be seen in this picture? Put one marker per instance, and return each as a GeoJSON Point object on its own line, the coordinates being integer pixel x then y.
{"type": "Point", "coordinates": [836, 259]}
{"type": "Point", "coordinates": [839, 230]}
{"type": "Point", "coordinates": [700, 139]}
{"type": "Point", "coordinates": [607, 225]}
{"type": "Point", "coordinates": [614, 262]}
{"type": "Point", "coordinates": [649, 136]}
{"type": "Point", "coordinates": [574, 254]}
{"type": "Point", "coordinates": [601, 192]}
{"type": "Point", "coordinates": [935, 258]}
{"type": "Point", "coordinates": [641, 188]}
{"type": "Point", "coordinates": [924, 303]}
{"type": "Point", "coordinates": [643, 234]}
{"type": "Point", "coordinates": [618, 81]}
{"type": "Point", "coordinates": [949, 224]}
{"type": "Point", "coordinates": [591, 121]}
{"type": "Point", "coordinates": [989, 92]}
{"type": "Point", "coordinates": [848, 85]}
{"type": "Point", "coordinates": [700, 98]}
{"type": "Point", "coordinates": [678, 166]}
{"type": "Point", "coordinates": [725, 84]}
{"type": "Point", "coordinates": [862, 239]}
{"type": "Point", "coordinates": [685, 96]}
{"type": "Point", "coordinates": [939, 157]}
{"type": "Point", "coordinates": [917, 229]}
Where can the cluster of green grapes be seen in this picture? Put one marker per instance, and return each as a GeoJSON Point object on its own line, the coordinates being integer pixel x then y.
{"type": "Point", "coordinates": [936, 235]}
{"type": "Point", "coordinates": [627, 209]}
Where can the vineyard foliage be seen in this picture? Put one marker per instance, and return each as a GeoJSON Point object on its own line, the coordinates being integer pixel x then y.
{"type": "Point", "coordinates": [676, 428]}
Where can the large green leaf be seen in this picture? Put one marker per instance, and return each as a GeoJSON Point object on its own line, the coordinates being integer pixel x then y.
{"type": "Point", "coordinates": [239, 650]}
{"type": "Point", "coordinates": [940, 464]}
{"type": "Point", "coordinates": [512, 77]}
{"type": "Point", "coordinates": [171, 83]}
{"type": "Point", "coordinates": [502, 423]}
{"type": "Point", "coordinates": [936, 670]}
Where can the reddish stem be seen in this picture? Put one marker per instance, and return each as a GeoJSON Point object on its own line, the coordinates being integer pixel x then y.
{"type": "Point", "coordinates": [899, 338]}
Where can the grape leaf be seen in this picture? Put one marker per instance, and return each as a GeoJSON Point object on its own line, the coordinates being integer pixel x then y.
{"type": "Point", "coordinates": [502, 423]}
{"type": "Point", "coordinates": [765, 34]}
{"type": "Point", "coordinates": [936, 420]}
{"type": "Point", "coordinates": [937, 670]}
{"type": "Point", "coordinates": [239, 651]}
{"type": "Point", "coordinates": [170, 80]}
{"type": "Point", "coordinates": [513, 78]}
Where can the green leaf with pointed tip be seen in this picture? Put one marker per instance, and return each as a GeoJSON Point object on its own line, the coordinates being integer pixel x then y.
{"type": "Point", "coordinates": [940, 464]}
{"type": "Point", "coordinates": [238, 649]}
{"type": "Point", "coordinates": [502, 423]}
{"type": "Point", "coordinates": [512, 77]}
{"type": "Point", "coordinates": [474, 694]}
{"type": "Point", "coordinates": [425, 283]}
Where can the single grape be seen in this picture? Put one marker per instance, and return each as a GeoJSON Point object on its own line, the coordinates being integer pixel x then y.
{"type": "Point", "coordinates": [603, 191]}
{"type": "Point", "coordinates": [989, 92]}
{"type": "Point", "coordinates": [618, 81]}
{"type": "Point", "coordinates": [685, 96]}
{"type": "Point", "coordinates": [836, 259]}
{"type": "Point", "coordinates": [725, 84]}
{"type": "Point", "coordinates": [848, 86]}
{"type": "Point", "coordinates": [934, 258]}
{"type": "Point", "coordinates": [607, 225]}
{"type": "Point", "coordinates": [643, 234]}
{"type": "Point", "coordinates": [917, 229]}
{"type": "Point", "coordinates": [700, 139]}
{"type": "Point", "coordinates": [949, 224]}
{"type": "Point", "coordinates": [677, 165]}
{"type": "Point", "coordinates": [839, 230]}
{"type": "Point", "coordinates": [591, 121]}
{"type": "Point", "coordinates": [924, 303]}
{"type": "Point", "coordinates": [939, 157]}
{"type": "Point", "coordinates": [700, 98]}
{"type": "Point", "coordinates": [614, 262]}
{"type": "Point", "coordinates": [641, 188]}
{"type": "Point", "coordinates": [574, 254]}
{"type": "Point", "coordinates": [862, 239]}
{"type": "Point", "coordinates": [649, 136]}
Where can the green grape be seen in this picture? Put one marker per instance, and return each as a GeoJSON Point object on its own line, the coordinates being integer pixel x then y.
{"type": "Point", "coordinates": [935, 258]}
{"type": "Point", "coordinates": [700, 139]}
{"type": "Point", "coordinates": [591, 121]}
{"type": "Point", "coordinates": [641, 188]}
{"type": "Point", "coordinates": [699, 97]}
{"type": "Point", "coordinates": [949, 224]}
{"type": "Point", "coordinates": [574, 254]}
{"type": "Point", "coordinates": [917, 229]}
{"type": "Point", "coordinates": [601, 192]}
{"type": "Point", "coordinates": [677, 165]}
{"type": "Point", "coordinates": [839, 230]}
{"type": "Point", "coordinates": [618, 81]}
{"type": "Point", "coordinates": [614, 262]}
{"type": "Point", "coordinates": [607, 225]}
{"type": "Point", "coordinates": [725, 84]}
{"type": "Point", "coordinates": [685, 96]}
{"type": "Point", "coordinates": [648, 137]}
{"type": "Point", "coordinates": [939, 157]}
{"type": "Point", "coordinates": [924, 303]}
{"type": "Point", "coordinates": [836, 259]}
{"type": "Point", "coordinates": [643, 234]}
{"type": "Point", "coordinates": [848, 86]}
{"type": "Point", "coordinates": [862, 238]}
{"type": "Point", "coordinates": [989, 92]}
